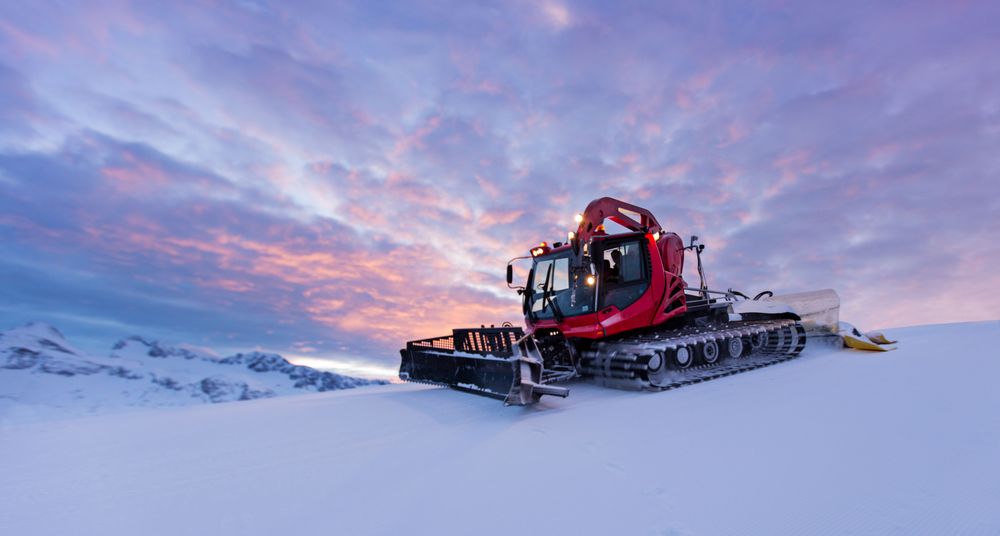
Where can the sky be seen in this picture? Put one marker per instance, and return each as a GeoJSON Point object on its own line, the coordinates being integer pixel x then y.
{"type": "Point", "coordinates": [330, 179]}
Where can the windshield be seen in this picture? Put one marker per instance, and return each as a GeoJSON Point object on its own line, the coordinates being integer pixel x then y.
{"type": "Point", "coordinates": [551, 280]}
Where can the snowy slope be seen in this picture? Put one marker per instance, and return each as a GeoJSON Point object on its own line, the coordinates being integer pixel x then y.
{"type": "Point", "coordinates": [835, 442]}
{"type": "Point", "coordinates": [42, 376]}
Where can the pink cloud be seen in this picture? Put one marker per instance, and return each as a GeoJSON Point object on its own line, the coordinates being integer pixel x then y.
{"type": "Point", "coordinates": [791, 167]}
{"type": "Point", "coordinates": [500, 217]}
{"type": "Point", "coordinates": [25, 42]}
{"type": "Point", "coordinates": [352, 173]}
{"type": "Point", "coordinates": [135, 176]}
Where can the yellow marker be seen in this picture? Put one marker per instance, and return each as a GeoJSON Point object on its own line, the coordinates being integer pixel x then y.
{"type": "Point", "coordinates": [864, 343]}
{"type": "Point", "coordinates": [878, 337]}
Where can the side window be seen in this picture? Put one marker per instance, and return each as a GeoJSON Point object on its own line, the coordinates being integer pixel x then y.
{"type": "Point", "coordinates": [625, 277]}
{"type": "Point", "coordinates": [623, 263]}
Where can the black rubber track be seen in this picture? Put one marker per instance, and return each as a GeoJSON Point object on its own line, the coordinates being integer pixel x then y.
{"type": "Point", "coordinates": [625, 363]}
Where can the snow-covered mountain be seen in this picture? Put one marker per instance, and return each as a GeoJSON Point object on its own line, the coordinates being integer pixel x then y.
{"type": "Point", "coordinates": [43, 375]}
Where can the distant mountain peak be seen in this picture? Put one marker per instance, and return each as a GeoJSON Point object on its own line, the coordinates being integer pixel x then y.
{"type": "Point", "coordinates": [137, 346]}
{"type": "Point", "coordinates": [34, 336]}
{"type": "Point", "coordinates": [38, 329]}
{"type": "Point", "coordinates": [47, 371]}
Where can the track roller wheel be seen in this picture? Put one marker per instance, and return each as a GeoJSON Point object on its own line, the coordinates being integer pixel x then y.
{"type": "Point", "coordinates": [655, 362]}
{"type": "Point", "coordinates": [682, 357]}
{"type": "Point", "coordinates": [757, 341]}
{"type": "Point", "coordinates": [657, 370]}
{"type": "Point", "coordinates": [710, 352]}
{"type": "Point", "coordinates": [734, 347]}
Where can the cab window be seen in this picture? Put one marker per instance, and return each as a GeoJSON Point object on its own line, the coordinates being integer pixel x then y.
{"type": "Point", "coordinates": [625, 276]}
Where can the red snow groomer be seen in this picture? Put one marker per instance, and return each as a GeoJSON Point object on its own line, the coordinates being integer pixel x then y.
{"type": "Point", "coordinates": [615, 308]}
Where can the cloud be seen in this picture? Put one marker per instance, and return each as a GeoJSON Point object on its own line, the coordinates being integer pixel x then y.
{"type": "Point", "coordinates": [355, 175]}
{"type": "Point", "coordinates": [121, 218]}
{"type": "Point", "coordinates": [20, 108]}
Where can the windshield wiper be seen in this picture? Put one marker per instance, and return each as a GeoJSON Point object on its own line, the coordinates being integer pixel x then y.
{"type": "Point", "coordinates": [549, 295]}
{"type": "Point", "coordinates": [556, 311]}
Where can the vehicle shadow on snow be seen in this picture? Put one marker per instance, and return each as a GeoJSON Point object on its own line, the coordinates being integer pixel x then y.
{"type": "Point", "coordinates": [450, 406]}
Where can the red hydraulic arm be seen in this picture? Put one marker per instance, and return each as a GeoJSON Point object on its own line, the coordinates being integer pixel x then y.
{"type": "Point", "coordinates": [620, 212]}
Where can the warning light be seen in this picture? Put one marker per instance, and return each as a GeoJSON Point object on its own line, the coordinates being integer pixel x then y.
{"type": "Point", "coordinates": [542, 249]}
{"type": "Point", "coordinates": [578, 218]}
{"type": "Point", "coordinates": [591, 280]}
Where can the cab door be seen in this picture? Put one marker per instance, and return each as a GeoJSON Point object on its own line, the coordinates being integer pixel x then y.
{"type": "Point", "coordinates": [624, 266]}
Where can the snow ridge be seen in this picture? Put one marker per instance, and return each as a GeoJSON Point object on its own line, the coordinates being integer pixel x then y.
{"type": "Point", "coordinates": [150, 348]}
{"type": "Point", "coordinates": [39, 367]}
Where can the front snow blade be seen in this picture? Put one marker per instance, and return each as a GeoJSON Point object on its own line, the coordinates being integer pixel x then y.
{"type": "Point", "coordinates": [493, 362]}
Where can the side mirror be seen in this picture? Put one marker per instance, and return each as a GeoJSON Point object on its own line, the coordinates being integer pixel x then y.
{"type": "Point", "coordinates": [510, 274]}
{"type": "Point", "coordinates": [694, 238]}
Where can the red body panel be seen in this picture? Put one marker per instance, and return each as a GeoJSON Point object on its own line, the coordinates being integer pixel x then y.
{"type": "Point", "coordinates": [662, 300]}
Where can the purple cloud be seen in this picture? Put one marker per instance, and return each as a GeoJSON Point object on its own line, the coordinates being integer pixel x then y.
{"type": "Point", "coordinates": [339, 178]}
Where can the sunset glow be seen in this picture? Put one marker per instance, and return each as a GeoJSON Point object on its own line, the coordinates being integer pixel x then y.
{"type": "Point", "coordinates": [328, 180]}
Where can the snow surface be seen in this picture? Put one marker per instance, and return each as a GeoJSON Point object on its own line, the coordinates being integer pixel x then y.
{"type": "Point", "coordinates": [44, 377]}
{"type": "Point", "coordinates": [835, 442]}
